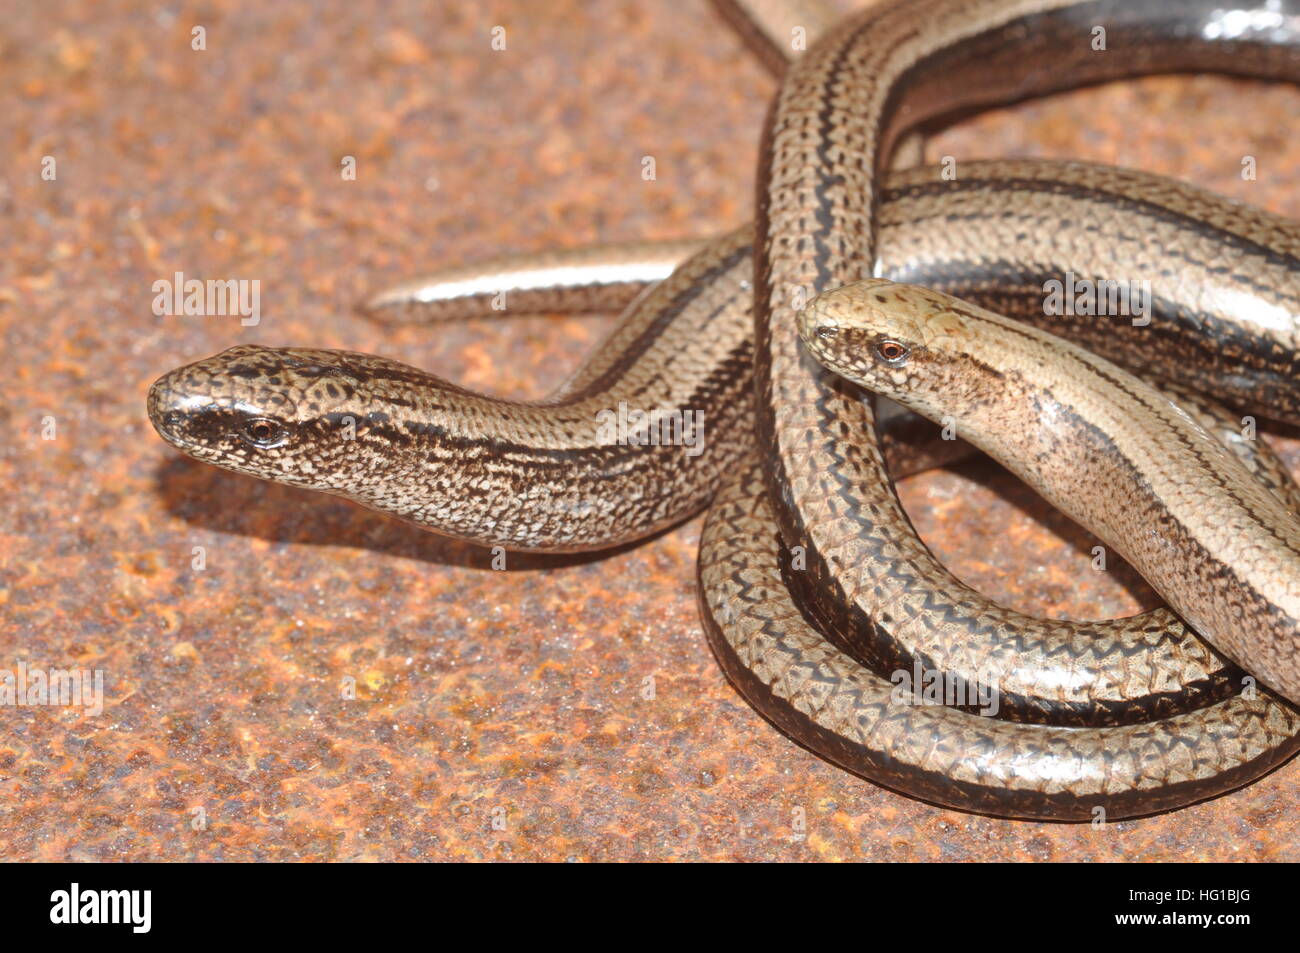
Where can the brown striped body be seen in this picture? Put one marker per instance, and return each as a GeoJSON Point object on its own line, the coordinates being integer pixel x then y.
{"type": "Point", "coordinates": [1105, 448]}
{"type": "Point", "coordinates": [861, 720]}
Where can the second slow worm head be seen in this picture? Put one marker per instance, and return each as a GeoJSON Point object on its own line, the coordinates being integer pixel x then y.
{"type": "Point", "coordinates": [1105, 448]}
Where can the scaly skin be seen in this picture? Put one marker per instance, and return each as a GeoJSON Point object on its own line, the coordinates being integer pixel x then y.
{"type": "Point", "coordinates": [848, 714]}
{"type": "Point", "coordinates": [1109, 451]}
{"type": "Point", "coordinates": [868, 576]}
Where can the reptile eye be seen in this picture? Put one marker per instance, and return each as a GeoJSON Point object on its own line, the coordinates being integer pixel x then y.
{"type": "Point", "coordinates": [263, 432]}
{"type": "Point", "coordinates": [891, 352]}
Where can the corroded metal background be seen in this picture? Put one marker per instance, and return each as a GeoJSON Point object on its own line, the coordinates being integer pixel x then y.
{"type": "Point", "coordinates": [566, 708]}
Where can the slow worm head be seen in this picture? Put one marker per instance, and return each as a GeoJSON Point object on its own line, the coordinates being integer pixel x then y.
{"type": "Point", "coordinates": [892, 338]}
{"type": "Point", "coordinates": [1105, 448]}
{"type": "Point", "coordinates": [292, 415]}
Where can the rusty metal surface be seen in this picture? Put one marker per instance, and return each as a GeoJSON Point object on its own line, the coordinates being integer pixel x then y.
{"type": "Point", "coordinates": [564, 708]}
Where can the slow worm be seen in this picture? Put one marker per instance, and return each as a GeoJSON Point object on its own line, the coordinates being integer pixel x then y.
{"type": "Point", "coordinates": [1106, 449]}
{"type": "Point", "coordinates": [540, 476]}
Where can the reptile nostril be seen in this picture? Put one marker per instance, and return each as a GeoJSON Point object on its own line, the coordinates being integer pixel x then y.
{"type": "Point", "coordinates": [166, 417]}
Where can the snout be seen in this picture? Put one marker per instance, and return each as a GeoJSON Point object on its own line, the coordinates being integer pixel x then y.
{"type": "Point", "coordinates": [166, 408]}
{"type": "Point", "coordinates": [818, 325]}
